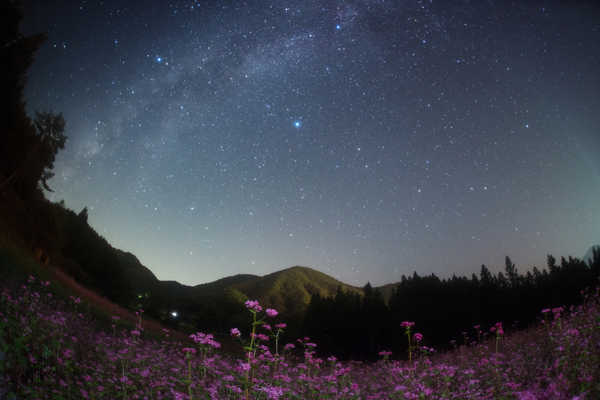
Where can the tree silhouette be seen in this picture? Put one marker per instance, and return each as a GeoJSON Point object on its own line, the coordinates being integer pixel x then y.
{"type": "Point", "coordinates": [28, 147]}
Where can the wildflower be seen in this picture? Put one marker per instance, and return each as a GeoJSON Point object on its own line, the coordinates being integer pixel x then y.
{"type": "Point", "coordinates": [245, 366]}
{"type": "Point", "coordinates": [289, 346]}
{"type": "Point", "coordinates": [267, 327]}
{"type": "Point", "coordinates": [135, 332]}
{"type": "Point", "coordinates": [545, 310]}
{"type": "Point", "coordinates": [418, 337]}
{"type": "Point", "coordinates": [385, 353]}
{"type": "Point", "coordinates": [262, 336]}
{"type": "Point", "coordinates": [189, 350]}
{"type": "Point", "coordinates": [573, 332]}
{"type": "Point", "coordinates": [281, 325]}
{"type": "Point", "coordinates": [253, 305]}
{"type": "Point", "coordinates": [235, 332]}
{"type": "Point", "coordinates": [407, 324]}
{"type": "Point", "coordinates": [271, 312]}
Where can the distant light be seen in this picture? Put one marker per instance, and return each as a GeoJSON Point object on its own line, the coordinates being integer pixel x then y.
{"type": "Point", "coordinates": [159, 59]}
{"type": "Point", "coordinates": [338, 27]}
{"type": "Point", "coordinates": [174, 314]}
{"type": "Point", "coordinates": [297, 124]}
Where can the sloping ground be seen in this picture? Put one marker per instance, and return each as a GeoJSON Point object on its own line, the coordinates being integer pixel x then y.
{"type": "Point", "coordinates": [53, 349]}
{"type": "Point", "coordinates": [105, 306]}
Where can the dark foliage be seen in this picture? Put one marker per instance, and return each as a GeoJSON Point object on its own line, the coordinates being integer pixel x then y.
{"type": "Point", "coordinates": [28, 147]}
{"type": "Point", "coordinates": [351, 326]}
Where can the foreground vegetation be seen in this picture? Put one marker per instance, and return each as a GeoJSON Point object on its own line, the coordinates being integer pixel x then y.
{"type": "Point", "coordinates": [50, 348]}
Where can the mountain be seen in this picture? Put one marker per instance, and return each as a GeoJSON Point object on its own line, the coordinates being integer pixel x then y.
{"type": "Point", "coordinates": [289, 290]}
{"type": "Point", "coordinates": [69, 243]}
{"type": "Point", "coordinates": [589, 255]}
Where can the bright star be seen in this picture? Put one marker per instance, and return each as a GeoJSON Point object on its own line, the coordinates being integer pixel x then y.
{"type": "Point", "coordinates": [297, 124]}
{"type": "Point", "coordinates": [338, 27]}
{"type": "Point", "coordinates": [159, 59]}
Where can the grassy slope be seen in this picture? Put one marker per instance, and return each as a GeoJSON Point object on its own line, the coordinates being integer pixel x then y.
{"type": "Point", "coordinates": [290, 290]}
{"type": "Point", "coordinates": [82, 254]}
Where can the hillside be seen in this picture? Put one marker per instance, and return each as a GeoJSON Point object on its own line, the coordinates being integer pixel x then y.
{"type": "Point", "coordinates": [70, 244]}
{"type": "Point", "coordinates": [556, 359]}
{"type": "Point", "coordinates": [290, 290]}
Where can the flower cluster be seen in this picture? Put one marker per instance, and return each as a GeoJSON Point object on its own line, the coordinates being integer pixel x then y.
{"type": "Point", "coordinates": [253, 305]}
{"type": "Point", "coordinates": [206, 339]}
{"type": "Point", "coordinates": [558, 360]}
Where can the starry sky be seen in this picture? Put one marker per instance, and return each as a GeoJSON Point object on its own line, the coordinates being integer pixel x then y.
{"type": "Point", "coordinates": [364, 138]}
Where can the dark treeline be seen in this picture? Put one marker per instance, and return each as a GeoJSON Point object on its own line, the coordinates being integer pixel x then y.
{"type": "Point", "coordinates": [351, 326]}
{"type": "Point", "coordinates": [29, 146]}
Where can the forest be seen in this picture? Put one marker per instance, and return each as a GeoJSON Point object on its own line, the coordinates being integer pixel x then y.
{"type": "Point", "coordinates": [358, 327]}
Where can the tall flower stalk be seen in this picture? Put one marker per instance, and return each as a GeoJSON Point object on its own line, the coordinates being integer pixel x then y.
{"type": "Point", "coordinates": [407, 325]}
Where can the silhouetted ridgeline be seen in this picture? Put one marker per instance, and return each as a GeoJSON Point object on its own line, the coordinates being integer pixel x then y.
{"type": "Point", "coordinates": [345, 320]}
{"type": "Point", "coordinates": [352, 326]}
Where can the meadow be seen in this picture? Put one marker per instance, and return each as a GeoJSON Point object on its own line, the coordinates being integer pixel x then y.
{"type": "Point", "coordinates": [52, 348]}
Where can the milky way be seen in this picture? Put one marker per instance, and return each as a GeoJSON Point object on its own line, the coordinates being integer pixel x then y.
{"type": "Point", "coordinates": [367, 139]}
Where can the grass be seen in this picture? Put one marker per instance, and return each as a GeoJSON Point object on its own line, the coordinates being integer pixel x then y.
{"type": "Point", "coordinates": [52, 348]}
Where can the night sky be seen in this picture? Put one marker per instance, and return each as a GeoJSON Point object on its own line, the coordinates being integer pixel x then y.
{"type": "Point", "coordinates": [366, 139]}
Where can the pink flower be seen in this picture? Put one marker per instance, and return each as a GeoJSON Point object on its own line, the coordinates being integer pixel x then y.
{"type": "Point", "coordinates": [271, 312]}
{"type": "Point", "coordinates": [135, 332]}
{"type": "Point", "coordinates": [253, 305]}
{"type": "Point", "coordinates": [204, 338]}
{"type": "Point", "coordinates": [281, 326]}
{"type": "Point", "coordinates": [385, 353]}
{"type": "Point", "coordinates": [245, 366]}
{"type": "Point", "coordinates": [418, 337]}
{"type": "Point", "coordinates": [407, 324]}
{"type": "Point", "coordinates": [189, 350]}
{"type": "Point", "coordinates": [235, 332]}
